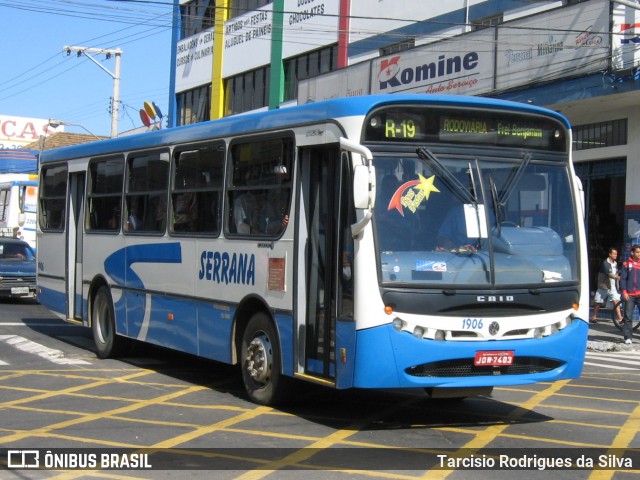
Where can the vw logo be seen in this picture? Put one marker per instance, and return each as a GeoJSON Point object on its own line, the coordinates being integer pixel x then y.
{"type": "Point", "coordinates": [494, 328]}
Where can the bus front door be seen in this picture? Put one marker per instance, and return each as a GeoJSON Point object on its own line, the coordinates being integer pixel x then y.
{"type": "Point", "coordinates": [323, 248]}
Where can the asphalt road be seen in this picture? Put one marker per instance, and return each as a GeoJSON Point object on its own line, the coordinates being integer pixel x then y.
{"type": "Point", "coordinates": [190, 417]}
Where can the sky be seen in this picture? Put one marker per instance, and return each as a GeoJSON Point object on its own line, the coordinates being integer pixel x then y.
{"type": "Point", "coordinates": [39, 80]}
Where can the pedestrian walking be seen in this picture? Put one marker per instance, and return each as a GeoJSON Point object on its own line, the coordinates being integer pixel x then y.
{"type": "Point", "coordinates": [630, 286]}
{"type": "Point", "coordinates": [608, 286]}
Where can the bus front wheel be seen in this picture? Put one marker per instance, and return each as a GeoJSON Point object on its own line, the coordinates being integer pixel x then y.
{"type": "Point", "coordinates": [103, 325]}
{"type": "Point", "coordinates": [260, 355]}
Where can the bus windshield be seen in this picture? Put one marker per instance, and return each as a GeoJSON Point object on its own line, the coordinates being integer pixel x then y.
{"type": "Point", "coordinates": [503, 217]}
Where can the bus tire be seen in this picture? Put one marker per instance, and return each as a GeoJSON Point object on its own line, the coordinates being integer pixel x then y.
{"type": "Point", "coordinates": [103, 324]}
{"type": "Point", "coordinates": [261, 363]}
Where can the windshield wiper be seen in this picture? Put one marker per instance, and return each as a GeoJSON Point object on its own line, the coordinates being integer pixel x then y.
{"type": "Point", "coordinates": [460, 191]}
{"type": "Point", "coordinates": [513, 178]}
{"type": "Point", "coordinates": [497, 204]}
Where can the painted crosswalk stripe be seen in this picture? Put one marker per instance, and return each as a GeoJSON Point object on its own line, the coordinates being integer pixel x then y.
{"type": "Point", "coordinates": [613, 367]}
{"type": "Point", "coordinates": [26, 345]}
{"type": "Point", "coordinates": [39, 324]}
{"type": "Point", "coordinates": [614, 360]}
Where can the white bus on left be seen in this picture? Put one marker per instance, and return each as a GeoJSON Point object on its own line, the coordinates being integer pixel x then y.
{"type": "Point", "coordinates": [18, 200]}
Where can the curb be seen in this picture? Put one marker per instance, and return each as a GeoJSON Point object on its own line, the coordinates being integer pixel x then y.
{"type": "Point", "coordinates": [600, 346]}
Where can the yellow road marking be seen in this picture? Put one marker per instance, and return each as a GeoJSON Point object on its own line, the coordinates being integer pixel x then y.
{"type": "Point", "coordinates": [483, 438]}
{"type": "Point", "coordinates": [625, 436]}
{"type": "Point", "coordinates": [337, 437]}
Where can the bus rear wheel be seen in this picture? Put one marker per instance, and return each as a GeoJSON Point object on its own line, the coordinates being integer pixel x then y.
{"type": "Point", "coordinates": [261, 363]}
{"type": "Point", "coordinates": [103, 324]}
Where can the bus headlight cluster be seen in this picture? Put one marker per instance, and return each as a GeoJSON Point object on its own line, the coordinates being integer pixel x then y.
{"type": "Point", "coordinates": [553, 328]}
{"type": "Point", "coordinates": [398, 324]}
{"type": "Point", "coordinates": [418, 332]}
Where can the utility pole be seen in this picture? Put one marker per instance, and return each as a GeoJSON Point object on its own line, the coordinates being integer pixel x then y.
{"type": "Point", "coordinates": [115, 100]}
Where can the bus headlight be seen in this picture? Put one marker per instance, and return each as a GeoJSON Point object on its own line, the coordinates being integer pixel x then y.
{"type": "Point", "coordinates": [439, 336]}
{"type": "Point", "coordinates": [418, 332]}
{"type": "Point", "coordinates": [397, 324]}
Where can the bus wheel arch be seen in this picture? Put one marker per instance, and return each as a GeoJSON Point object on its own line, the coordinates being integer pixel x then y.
{"type": "Point", "coordinates": [259, 354]}
{"type": "Point", "coordinates": [248, 307]}
{"type": "Point", "coordinates": [103, 322]}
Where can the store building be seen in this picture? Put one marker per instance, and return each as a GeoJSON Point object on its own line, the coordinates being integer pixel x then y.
{"type": "Point", "coordinates": [578, 57]}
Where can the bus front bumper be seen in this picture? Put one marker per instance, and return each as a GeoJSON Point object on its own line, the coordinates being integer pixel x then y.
{"type": "Point", "coordinates": [387, 358]}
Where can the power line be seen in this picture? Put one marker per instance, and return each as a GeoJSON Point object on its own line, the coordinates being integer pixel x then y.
{"type": "Point", "coordinates": [159, 20]}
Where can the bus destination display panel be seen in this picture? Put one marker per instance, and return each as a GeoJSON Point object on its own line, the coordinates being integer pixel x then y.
{"type": "Point", "coordinates": [429, 125]}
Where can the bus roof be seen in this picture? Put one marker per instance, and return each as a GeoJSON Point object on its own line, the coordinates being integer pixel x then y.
{"type": "Point", "coordinates": [280, 118]}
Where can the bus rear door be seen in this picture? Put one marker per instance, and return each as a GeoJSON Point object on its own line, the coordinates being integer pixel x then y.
{"type": "Point", "coordinates": [75, 217]}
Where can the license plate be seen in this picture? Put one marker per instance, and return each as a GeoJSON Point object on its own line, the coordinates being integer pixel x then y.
{"type": "Point", "coordinates": [19, 290]}
{"type": "Point", "coordinates": [494, 358]}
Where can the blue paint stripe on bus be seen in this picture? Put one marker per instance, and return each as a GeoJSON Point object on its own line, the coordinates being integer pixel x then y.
{"type": "Point", "coordinates": [54, 300]}
{"type": "Point", "coordinates": [198, 327]}
{"type": "Point", "coordinates": [118, 264]}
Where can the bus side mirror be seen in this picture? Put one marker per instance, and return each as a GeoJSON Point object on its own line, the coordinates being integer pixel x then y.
{"type": "Point", "coordinates": [22, 218]}
{"type": "Point", "coordinates": [364, 186]}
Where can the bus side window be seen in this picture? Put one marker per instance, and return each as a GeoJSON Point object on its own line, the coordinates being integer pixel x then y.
{"type": "Point", "coordinates": [146, 198]}
{"type": "Point", "coordinates": [196, 190]}
{"type": "Point", "coordinates": [53, 193]}
{"type": "Point", "coordinates": [104, 194]}
{"type": "Point", "coordinates": [259, 192]}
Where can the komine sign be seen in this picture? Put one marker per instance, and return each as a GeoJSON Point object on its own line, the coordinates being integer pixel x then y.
{"type": "Point", "coordinates": [391, 75]}
{"type": "Point", "coordinates": [429, 70]}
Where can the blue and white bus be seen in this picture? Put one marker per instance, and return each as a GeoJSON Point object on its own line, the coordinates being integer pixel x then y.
{"type": "Point", "coordinates": [396, 241]}
{"type": "Point", "coordinates": [18, 201]}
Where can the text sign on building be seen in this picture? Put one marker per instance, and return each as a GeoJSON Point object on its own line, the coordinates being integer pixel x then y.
{"type": "Point", "coordinates": [347, 82]}
{"type": "Point", "coordinates": [462, 65]}
{"type": "Point", "coordinates": [194, 60]}
{"type": "Point", "coordinates": [565, 41]}
{"type": "Point", "coordinates": [247, 41]}
{"type": "Point", "coordinates": [626, 37]}
{"type": "Point", "coordinates": [15, 132]}
{"type": "Point", "coordinates": [309, 25]}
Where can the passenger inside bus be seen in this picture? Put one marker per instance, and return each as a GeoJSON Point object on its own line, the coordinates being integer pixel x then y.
{"type": "Point", "coordinates": [274, 212]}
{"type": "Point", "coordinates": [133, 223]}
{"type": "Point", "coordinates": [452, 234]}
{"type": "Point", "coordinates": [114, 221]}
{"type": "Point", "coordinates": [185, 206]}
{"type": "Point", "coordinates": [260, 214]}
{"type": "Point", "coordinates": [54, 218]}
{"type": "Point", "coordinates": [243, 207]}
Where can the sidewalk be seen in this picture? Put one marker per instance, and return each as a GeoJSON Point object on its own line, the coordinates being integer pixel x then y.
{"type": "Point", "coordinates": [605, 337]}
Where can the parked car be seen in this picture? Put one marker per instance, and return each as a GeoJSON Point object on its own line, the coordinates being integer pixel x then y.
{"type": "Point", "coordinates": [17, 269]}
